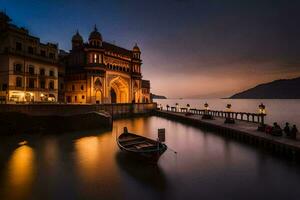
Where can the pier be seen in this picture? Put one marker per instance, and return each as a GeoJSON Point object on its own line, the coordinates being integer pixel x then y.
{"type": "Point", "coordinates": [244, 129]}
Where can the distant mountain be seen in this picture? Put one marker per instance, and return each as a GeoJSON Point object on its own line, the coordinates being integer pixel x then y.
{"type": "Point", "coordinates": [278, 89]}
{"type": "Point", "coordinates": [154, 96]}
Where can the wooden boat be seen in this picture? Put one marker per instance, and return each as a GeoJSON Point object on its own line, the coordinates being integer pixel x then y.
{"type": "Point", "coordinates": [141, 147]}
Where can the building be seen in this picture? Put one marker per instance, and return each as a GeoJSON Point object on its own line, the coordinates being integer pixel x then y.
{"type": "Point", "coordinates": [28, 68]}
{"type": "Point", "coordinates": [146, 97]}
{"type": "Point", "coordinates": [99, 72]}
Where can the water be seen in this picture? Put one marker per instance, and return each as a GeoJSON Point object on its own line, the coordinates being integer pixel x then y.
{"type": "Point", "coordinates": [278, 110]}
{"type": "Point", "coordinates": [89, 165]}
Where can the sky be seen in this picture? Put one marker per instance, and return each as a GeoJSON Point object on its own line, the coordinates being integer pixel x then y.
{"type": "Point", "coordinates": [190, 48]}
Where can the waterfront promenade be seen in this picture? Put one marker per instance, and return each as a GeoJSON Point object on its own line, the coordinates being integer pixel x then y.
{"type": "Point", "coordinates": [241, 130]}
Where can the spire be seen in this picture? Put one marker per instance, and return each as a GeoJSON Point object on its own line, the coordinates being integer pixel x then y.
{"type": "Point", "coordinates": [95, 28]}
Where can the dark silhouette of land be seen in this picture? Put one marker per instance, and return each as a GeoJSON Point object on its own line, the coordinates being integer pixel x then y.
{"type": "Point", "coordinates": [154, 96]}
{"type": "Point", "coordinates": [278, 89]}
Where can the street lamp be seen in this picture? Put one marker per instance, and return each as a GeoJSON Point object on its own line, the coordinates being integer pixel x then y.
{"type": "Point", "coordinates": [228, 106]}
{"type": "Point", "coordinates": [167, 107]}
{"type": "Point", "coordinates": [228, 119]}
{"type": "Point", "coordinates": [262, 113]}
{"type": "Point", "coordinates": [206, 114]}
{"type": "Point", "coordinates": [262, 109]}
{"type": "Point", "coordinates": [206, 108]}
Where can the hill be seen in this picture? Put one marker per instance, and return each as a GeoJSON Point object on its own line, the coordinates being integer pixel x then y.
{"type": "Point", "coordinates": [278, 89]}
{"type": "Point", "coordinates": [154, 96]}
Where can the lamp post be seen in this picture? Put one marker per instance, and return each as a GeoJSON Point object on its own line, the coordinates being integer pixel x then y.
{"type": "Point", "coordinates": [206, 114]}
{"type": "Point", "coordinates": [228, 119]}
{"type": "Point", "coordinates": [262, 112]}
{"type": "Point", "coordinates": [167, 107]}
{"type": "Point", "coordinates": [206, 108]}
{"type": "Point", "coordinates": [177, 107]}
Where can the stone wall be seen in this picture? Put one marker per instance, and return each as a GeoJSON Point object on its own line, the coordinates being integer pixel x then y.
{"type": "Point", "coordinates": [71, 109]}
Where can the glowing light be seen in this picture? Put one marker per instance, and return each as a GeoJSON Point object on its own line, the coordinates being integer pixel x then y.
{"type": "Point", "coordinates": [22, 143]}
{"type": "Point", "coordinates": [20, 172]}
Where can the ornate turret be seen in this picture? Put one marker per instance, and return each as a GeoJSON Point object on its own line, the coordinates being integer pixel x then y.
{"type": "Point", "coordinates": [95, 38]}
{"type": "Point", "coordinates": [136, 52]}
{"type": "Point", "coordinates": [77, 40]}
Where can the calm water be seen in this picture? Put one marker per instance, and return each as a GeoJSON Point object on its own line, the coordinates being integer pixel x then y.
{"type": "Point", "coordinates": [90, 166]}
{"type": "Point", "coordinates": [278, 110]}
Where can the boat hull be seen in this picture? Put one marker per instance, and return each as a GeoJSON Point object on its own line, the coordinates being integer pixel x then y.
{"type": "Point", "coordinates": [145, 155]}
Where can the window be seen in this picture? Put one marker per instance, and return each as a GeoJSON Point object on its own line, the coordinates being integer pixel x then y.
{"type": "Point", "coordinates": [73, 87]}
{"type": "Point", "coordinates": [82, 87]}
{"type": "Point", "coordinates": [42, 84]}
{"type": "Point", "coordinates": [42, 72]}
{"type": "Point", "coordinates": [75, 98]}
{"type": "Point", "coordinates": [18, 82]}
{"type": "Point", "coordinates": [51, 73]}
{"type": "Point", "coordinates": [83, 97]}
{"type": "Point", "coordinates": [30, 50]}
{"type": "Point", "coordinates": [31, 83]}
{"type": "Point", "coordinates": [18, 68]}
{"type": "Point", "coordinates": [95, 58]}
{"type": "Point", "coordinates": [4, 87]}
{"type": "Point", "coordinates": [43, 53]}
{"type": "Point", "coordinates": [69, 99]}
{"type": "Point", "coordinates": [31, 70]}
{"type": "Point", "coordinates": [61, 86]}
{"type": "Point", "coordinates": [51, 85]}
{"type": "Point", "coordinates": [51, 55]}
{"type": "Point", "coordinates": [18, 46]}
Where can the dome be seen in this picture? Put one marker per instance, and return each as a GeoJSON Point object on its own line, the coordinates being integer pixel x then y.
{"type": "Point", "coordinates": [95, 35]}
{"type": "Point", "coordinates": [77, 37]}
{"type": "Point", "coordinates": [136, 48]}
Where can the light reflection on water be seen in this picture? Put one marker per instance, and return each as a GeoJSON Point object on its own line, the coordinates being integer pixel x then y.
{"type": "Point", "coordinates": [89, 165]}
{"type": "Point", "coordinates": [20, 172]}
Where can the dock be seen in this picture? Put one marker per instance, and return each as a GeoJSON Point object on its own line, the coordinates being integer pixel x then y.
{"type": "Point", "coordinates": [245, 131]}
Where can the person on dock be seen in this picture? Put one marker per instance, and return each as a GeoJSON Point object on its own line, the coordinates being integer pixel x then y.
{"type": "Point", "coordinates": [276, 130]}
{"type": "Point", "coordinates": [287, 129]}
{"type": "Point", "coordinates": [294, 132]}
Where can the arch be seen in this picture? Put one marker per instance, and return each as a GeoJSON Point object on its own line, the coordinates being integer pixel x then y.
{"type": "Point", "coordinates": [98, 97]}
{"type": "Point", "coordinates": [98, 83]}
{"type": "Point", "coordinates": [120, 88]}
{"type": "Point", "coordinates": [113, 95]}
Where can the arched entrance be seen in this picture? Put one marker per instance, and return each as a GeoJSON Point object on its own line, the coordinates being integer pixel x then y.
{"type": "Point", "coordinates": [113, 96]}
{"type": "Point", "coordinates": [119, 90]}
{"type": "Point", "coordinates": [98, 96]}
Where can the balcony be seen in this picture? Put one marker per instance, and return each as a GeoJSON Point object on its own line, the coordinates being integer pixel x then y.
{"type": "Point", "coordinates": [30, 55]}
{"type": "Point", "coordinates": [32, 89]}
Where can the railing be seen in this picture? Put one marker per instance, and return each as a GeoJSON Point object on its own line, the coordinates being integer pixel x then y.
{"type": "Point", "coordinates": [243, 116]}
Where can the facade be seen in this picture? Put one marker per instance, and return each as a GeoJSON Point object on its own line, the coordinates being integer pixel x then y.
{"type": "Point", "coordinates": [28, 68]}
{"type": "Point", "coordinates": [146, 97]}
{"type": "Point", "coordinates": [100, 72]}
{"type": "Point", "coordinates": [92, 72]}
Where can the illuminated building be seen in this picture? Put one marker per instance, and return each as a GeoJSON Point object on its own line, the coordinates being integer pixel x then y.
{"type": "Point", "coordinates": [28, 68]}
{"type": "Point", "coordinates": [92, 72]}
{"type": "Point", "coordinates": [100, 72]}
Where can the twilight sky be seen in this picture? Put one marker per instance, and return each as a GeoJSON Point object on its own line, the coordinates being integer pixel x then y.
{"type": "Point", "coordinates": [190, 48]}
